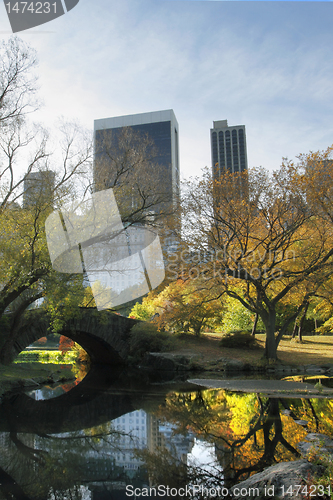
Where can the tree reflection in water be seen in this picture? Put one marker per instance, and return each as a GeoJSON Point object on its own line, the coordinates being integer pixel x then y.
{"type": "Point", "coordinates": [249, 432]}
{"type": "Point", "coordinates": [51, 460]}
{"type": "Point", "coordinates": [36, 466]}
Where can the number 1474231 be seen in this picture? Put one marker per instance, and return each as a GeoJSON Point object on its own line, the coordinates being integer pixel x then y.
{"type": "Point", "coordinates": [31, 7]}
{"type": "Point", "coordinates": [312, 490]}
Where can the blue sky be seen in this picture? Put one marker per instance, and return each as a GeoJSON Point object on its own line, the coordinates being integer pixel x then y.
{"type": "Point", "coordinates": [267, 65]}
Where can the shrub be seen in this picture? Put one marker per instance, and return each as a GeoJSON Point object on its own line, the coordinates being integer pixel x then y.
{"type": "Point", "coordinates": [323, 477]}
{"type": "Point", "coordinates": [41, 341]}
{"type": "Point", "coordinates": [238, 318]}
{"type": "Point", "coordinates": [142, 311]}
{"type": "Point", "coordinates": [239, 340]}
{"type": "Point", "coordinates": [145, 337]}
{"type": "Point", "coordinates": [65, 344]}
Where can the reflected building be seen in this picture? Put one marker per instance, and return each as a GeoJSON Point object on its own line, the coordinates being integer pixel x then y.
{"type": "Point", "coordinates": [105, 465]}
{"type": "Point", "coordinates": [161, 435]}
{"type": "Point", "coordinates": [133, 427]}
{"type": "Point", "coordinates": [178, 443]}
{"type": "Point", "coordinates": [155, 439]}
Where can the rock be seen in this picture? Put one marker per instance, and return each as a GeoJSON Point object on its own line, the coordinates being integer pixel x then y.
{"type": "Point", "coordinates": [169, 362]}
{"type": "Point", "coordinates": [316, 436]}
{"type": "Point", "coordinates": [231, 365]}
{"type": "Point", "coordinates": [301, 422]}
{"type": "Point", "coordinates": [315, 369]}
{"type": "Point", "coordinates": [305, 448]}
{"type": "Point", "coordinates": [309, 369]}
{"type": "Point", "coordinates": [316, 442]}
{"type": "Point", "coordinates": [157, 362]}
{"type": "Point", "coordinates": [274, 481]}
{"type": "Point", "coordinates": [282, 369]}
{"type": "Point", "coordinates": [235, 365]}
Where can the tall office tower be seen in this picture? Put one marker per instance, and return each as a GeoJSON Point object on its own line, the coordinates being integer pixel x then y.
{"type": "Point", "coordinates": [38, 188]}
{"type": "Point", "coordinates": [161, 128]}
{"type": "Point", "coordinates": [228, 148]}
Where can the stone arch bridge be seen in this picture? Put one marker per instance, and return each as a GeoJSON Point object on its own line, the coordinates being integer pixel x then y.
{"type": "Point", "coordinates": [103, 334]}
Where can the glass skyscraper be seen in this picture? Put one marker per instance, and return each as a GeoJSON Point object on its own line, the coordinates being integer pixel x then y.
{"type": "Point", "coordinates": [228, 146]}
{"type": "Point", "coordinates": [150, 141]}
{"type": "Point", "coordinates": [161, 127]}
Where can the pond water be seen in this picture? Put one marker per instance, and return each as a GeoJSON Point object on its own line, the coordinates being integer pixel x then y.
{"type": "Point", "coordinates": [115, 434]}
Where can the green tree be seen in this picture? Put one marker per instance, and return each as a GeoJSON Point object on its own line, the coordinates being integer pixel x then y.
{"type": "Point", "coordinates": [238, 317]}
{"type": "Point", "coordinates": [63, 163]}
{"type": "Point", "coordinates": [144, 310]}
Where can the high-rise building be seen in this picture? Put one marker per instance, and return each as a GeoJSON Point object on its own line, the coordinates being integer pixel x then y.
{"type": "Point", "coordinates": [38, 188]}
{"type": "Point", "coordinates": [161, 128]}
{"type": "Point", "coordinates": [228, 146]}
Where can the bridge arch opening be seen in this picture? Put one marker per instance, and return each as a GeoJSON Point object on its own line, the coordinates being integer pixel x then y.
{"type": "Point", "coordinates": [57, 349]}
{"type": "Point", "coordinates": [99, 351]}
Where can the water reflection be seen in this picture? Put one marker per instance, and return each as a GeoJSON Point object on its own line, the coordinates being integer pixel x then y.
{"type": "Point", "coordinates": [113, 430]}
{"type": "Point", "coordinates": [47, 392]}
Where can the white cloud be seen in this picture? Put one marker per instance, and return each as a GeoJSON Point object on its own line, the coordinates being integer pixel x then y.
{"type": "Point", "coordinates": [267, 65]}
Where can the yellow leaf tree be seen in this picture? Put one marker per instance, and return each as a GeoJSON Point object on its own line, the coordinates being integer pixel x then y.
{"type": "Point", "coordinates": [260, 244]}
{"type": "Point", "coordinates": [188, 306]}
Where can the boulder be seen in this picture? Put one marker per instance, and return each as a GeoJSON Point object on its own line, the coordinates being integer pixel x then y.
{"type": "Point", "coordinates": [169, 362]}
{"type": "Point", "coordinates": [277, 482]}
{"type": "Point", "coordinates": [319, 443]}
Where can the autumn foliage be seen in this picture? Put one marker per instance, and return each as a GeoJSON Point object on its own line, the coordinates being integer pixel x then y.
{"type": "Point", "coordinates": [65, 344]}
{"type": "Point", "coordinates": [271, 248]}
{"type": "Point", "coordinates": [42, 340]}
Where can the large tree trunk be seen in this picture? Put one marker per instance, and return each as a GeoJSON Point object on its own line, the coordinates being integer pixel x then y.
{"type": "Point", "coordinates": [270, 345]}
{"type": "Point", "coordinates": [6, 349]}
{"type": "Point", "coordinates": [254, 328]}
{"type": "Point", "coordinates": [6, 354]}
{"type": "Point", "coordinates": [301, 323]}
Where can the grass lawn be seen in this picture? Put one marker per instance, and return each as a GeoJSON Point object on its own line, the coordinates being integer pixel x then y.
{"type": "Point", "coordinates": [30, 374]}
{"type": "Point", "coordinates": [316, 350]}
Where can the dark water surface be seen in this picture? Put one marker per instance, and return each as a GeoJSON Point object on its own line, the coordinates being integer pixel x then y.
{"type": "Point", "coordinates": [115, 434]}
